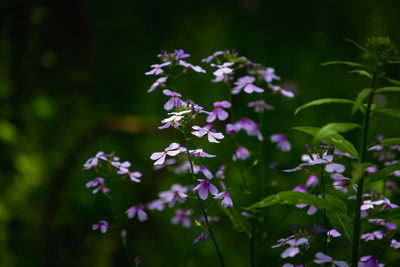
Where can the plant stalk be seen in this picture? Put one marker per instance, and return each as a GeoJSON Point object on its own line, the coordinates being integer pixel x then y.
{"type": "Point", "coordinates": [324, 211]}
{"type": "Point", "coordinates": [221, 260]}
{"type": "Point", "coordinates": [363, 150]}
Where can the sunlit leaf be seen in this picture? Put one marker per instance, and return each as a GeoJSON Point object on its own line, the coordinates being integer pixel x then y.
{"type": "Point", "coordinates": [393, 89]}
{"type": "Point", "coordinates": [348, 63]}
{"type": "Point", "coordinates": [364, 93]}
{"type": "Point", "coordinates": [334, 128]}
{"type": "Point", "coordinates": [385, 172]}
{"type": "Point", "coordinates": [389, 111]}
{"type": "Point", "coordinates": [390, 142]}
{"type": "Point", "coordinates": [323, 102]}
{"type": "Point", "coordinates": [362, 73]}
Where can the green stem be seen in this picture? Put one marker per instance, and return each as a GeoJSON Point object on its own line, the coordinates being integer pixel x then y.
{"type": "Point", "coordinates": [324, 211]}
{"type": "Point", "coordinates": [221, 260]}
{"type": "Point", "coordinates": [363, 150]}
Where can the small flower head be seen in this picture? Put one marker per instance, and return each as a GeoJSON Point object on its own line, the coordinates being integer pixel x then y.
{"type": "Point", "coordinates": [259, 106]}
{"type": "Point", "coordinates": [102, 225]}
{"type": "Point", "coordinates": [99, 182]}
{"type": "Point", "coordinates": [223, 69]}
{"type": "Point", "coordinates": [157, 68]}
{"type": "Point", "coordinates": [203, 187]}
{"type": "Point", "coordinates": [246, 84]}
{"type": "Point", "coordinates": [160, 82]}
{"type": "Point", "coordinates": [93, 162]}
{"type": "Point", "coordinates": [203, 236]}
{"type": "Point", "coordinates": [212, 136]}
{"type": "Point", "coordinates": [181, 216]}
{"type": "Point", "coordinates": [226, 200]}
{"type": "Point", "coordinates": [218, 111]}
{"type": "Point", "coordinates": [136, 209]}
{"type": "Point", "coordinates": [281, 142]}
{"type": "Point", "coordinates": [241, 153]}
{"type": "Point", "coordinates": [171, 150]}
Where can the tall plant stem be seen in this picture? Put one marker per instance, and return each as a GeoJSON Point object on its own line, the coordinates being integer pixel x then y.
{"type": "Point", "coordinates": [363, 150]}
{"type": "Point", "coordinates": [324, 211]}
{"type": "Point", "coordinates": [221, 260]}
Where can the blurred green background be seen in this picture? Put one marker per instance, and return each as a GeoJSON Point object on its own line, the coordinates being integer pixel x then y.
{"type": "Point", "coordinates": [72, 83]}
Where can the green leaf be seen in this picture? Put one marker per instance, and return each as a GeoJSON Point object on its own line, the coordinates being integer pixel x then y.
{"type": "Point", "coordinates": [362, 73]}
{"type": "Point", "coordinates": [364, 93]}
{"type": "Point", "coordinates": [389, 111]}
{"type": "Point", "coordinates": [348, 63]}
{"type": "Point", "coordinates": [295, 198]}
{"type": "Point", "coordinates": [390, 142]}
{"type": "Point", "coordinates": [385, 172]}
{"type": "Point", "coordinates": [358, 171]}
{"type": "Point", "coordinates": [335, 140]}
{"type": "Point", "coordinates": [334, 128]}
{"type": "Point", "coordinates": [337, 211]}
{"type": "Point", "coordinates": [323, 102]}
{"type": "Point", "coordinates": [383, 214]}
{"type": "Point", "coordinates": [394, 89]}
{"type": "Point", "coordinates": [394, 61]}
{"type": "Point", "coordinates": [354, 43]}
{"type": "Point", "coordinates": [237, 220]}
{"type": "Point", "coordinates": [342, 223]}
{"type": "Point", "coordinates": [393, 81]}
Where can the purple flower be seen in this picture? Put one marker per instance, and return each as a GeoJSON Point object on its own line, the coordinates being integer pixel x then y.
{"type": "Point", "coordinates": [174, 119]}
{"type": "Point", "coordinates": [268, 75]}
{"type": "Point", "coordinates": [159, 82]}
{"type": "Point", "coordinates": [281, 142]}
{"type": "Point", "coordinates": [210, 58]}
{"type": "Point", "coordinates": [199, 153]}
{"type": "Point", "coordinates": [203, 187]}
{"type": "Point", "coordinates": [188, 65]}
{"type": "Point", "coordinates": [122, 167]}
{"type": "Point", "coordinates": [220, 173]}
{"type": "Point", "coordinates": [246, 83]}
{"type": "Point", "coordinates": [241, 153]}
{"type": "Point", "coordinates": [277, 88]}
{"type": "Point", "coordinates": [135, 209]}
{"type": "Point", "coordinates": [333, 233]}
{"type": "Point", "coordinates": [182, 216]}
{"type": "Point", "coordinates": [389, 225]}
{"type": "Point", "coordinates": [246, 124]}
{"type": "Point", "coordinates": [177, 193]}
{"type": "Point", "coordinates": [93, 162]}
{"type": "Point", "coordinates": [206, 172]}
{"type": "Point", "coordinates": [157, 68]}
{"type": "Point", "coordinates": [259, 106]}
{"type": "Point", "coordinates": [226, 200]}
{"type": "Point", "coordinates": [173, 101]}
{"type": "Point", "coordinates": [322, 258]}
{"type": "Point", "coordinates": [102, 225]}
{"type": "Point", "coordinates": [326, 159]}
{"type": "Point", "coordinates": [99, 182]}
{"type": "Point", "coordinates": [293, 250]}
{"type": "Point", "coordinates": [212, 136]}
{"type": "Point", "coordinates": [134, 176]}
{"type": "Point", "coordinates": [395, 244]}
{"type": "Point", "coordinates": [158, 204]}
{"type": "Point", "coordinates": [171, 150]}
{"type": "Point", "coordinates": [369, 204]}
{"type": "Point", "coordinates": [203, 236]}
{"type": "Point", "coordinates": [218, 111]}
{"type": "Point", "coordinates": [222, 69]}
{"type": "Point", "coordinates": [179, 54]}
{"type": "Point", "coordinates": [312, 180]}
{"type": "Point", "coordinates": [372, 236]}
{"type": "Point", "coordinates": [369, 261]}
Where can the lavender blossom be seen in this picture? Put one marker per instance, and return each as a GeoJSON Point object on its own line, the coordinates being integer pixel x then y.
{"type": "Point", "coordinates": [158, 83]}
{"type": "Point", "coordinates": [225, 198]}
{"type": "Point", "coordinates": [268, 75]}
{"type": "Point", "coordinates": [171, 150]}
{"type": "Point", "coordinates": [102, 225]}
{"type": "Point", "coordinates": [246, 124]}
{"type": "Point", "coordinates": [179, 54]}
{"type": "Point", "coordinates": [203, 236]}
{"type": "Point", "coordinates": [176, 193]}
{"type": "Point", "coordinates": [372, 236]}
{"type": "Point", "coordinates": [157, 68]}
{"type": "Point", "coordinates": [281, 142]}
{"type": "Point", "coordinates": [188, 65]}
{"type": "Point", "coordinates": [99, 182]}
{"type": "Point", "coordinates": [181, 216]}
{"type": "Point", "coordinates": [210, 58]}
{"type": "Point", "coordinates": [321, 258]}
{"type": "Point", "coordinates": [278, 89]}
{"type": "Point", "coordinates": [93, 162]}
{"type": "Point", "coordinates": [241, 153]}
{"type": "Point", "coordinates": [136, 209]}
{"type": "Point", "coordinates": [223, 69]}
{"type": "Point", "coordinates": [203, 187]}
{"type": "Point", "coordinates": [395, 244]}
{"type": "Point", "coordinates": [199, 153]}
{"type": "Point", "coordinates": [173, 101]}
{"type": "Point", "coordinates": [246, 84]}
{"type": "Point", "coordinates": [212, 136]}
{"type": "Point", "coordinates": [218, 111]}
{"type": "Point", "coordinates": [259, 106]}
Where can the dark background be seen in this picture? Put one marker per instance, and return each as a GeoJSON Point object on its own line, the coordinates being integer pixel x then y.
{"type": "Point", "coordinates": [72, 83]}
